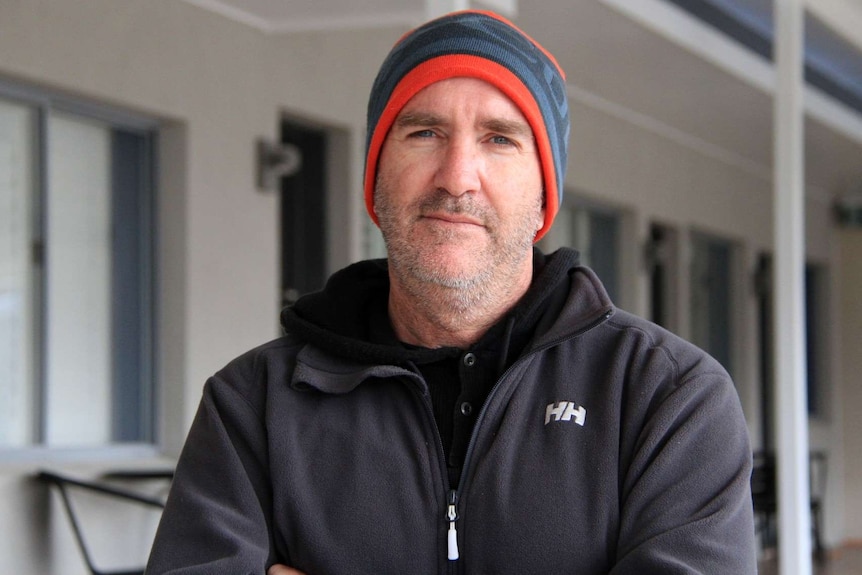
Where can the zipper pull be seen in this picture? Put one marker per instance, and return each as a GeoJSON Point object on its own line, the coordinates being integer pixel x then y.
{"type": "Point", "coordinates": [452, 535]}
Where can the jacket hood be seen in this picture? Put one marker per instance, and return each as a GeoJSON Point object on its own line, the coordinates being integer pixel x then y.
{"type": "Point", "coordinates": [344, 317]}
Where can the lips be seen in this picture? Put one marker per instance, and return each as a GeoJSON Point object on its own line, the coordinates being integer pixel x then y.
{"type": "Point", "coordinates": [453, 218]}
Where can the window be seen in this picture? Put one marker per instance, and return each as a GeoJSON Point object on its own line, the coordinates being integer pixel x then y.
{"type": "Point", "coordinates": [711, 297]}
{"type": "Point", "coordinates": [816, 341]}
{"type": "Point", "coordinates": [595, 232]}
{"type": "Point", "coordinates": [76, 200]}
{"type": "Point", "coordinates": [16, 282]}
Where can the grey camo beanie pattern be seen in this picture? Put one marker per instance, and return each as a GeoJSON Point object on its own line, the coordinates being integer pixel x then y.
{"type": "Point", "coordinates": [483, 45]}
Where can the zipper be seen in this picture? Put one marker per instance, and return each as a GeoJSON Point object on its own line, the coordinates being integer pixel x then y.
{"type": "Point", "coordinates": [451, 513]}
{"type": "Point", "coordinates": [452, 534]}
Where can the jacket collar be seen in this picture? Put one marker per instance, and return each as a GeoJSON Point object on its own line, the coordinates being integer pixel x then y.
{"type": "Point", "coordinates": [336, 360]}
{"type": "Point", "coordinates": [321, 370]}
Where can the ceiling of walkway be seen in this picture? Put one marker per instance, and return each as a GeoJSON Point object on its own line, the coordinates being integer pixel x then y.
{"type": "Point", "coordinates": [616, 63]}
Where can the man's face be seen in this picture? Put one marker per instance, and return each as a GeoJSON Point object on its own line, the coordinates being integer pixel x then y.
{"type": "Point", "coordinates": [459, 186]}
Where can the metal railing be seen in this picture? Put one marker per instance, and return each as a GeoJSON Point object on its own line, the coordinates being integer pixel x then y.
{"type": "Point", "coordinates": [63, 484]}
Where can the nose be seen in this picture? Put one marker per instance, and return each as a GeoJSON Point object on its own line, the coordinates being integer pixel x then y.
{"type": "Point", "coordinates": [459, 167]}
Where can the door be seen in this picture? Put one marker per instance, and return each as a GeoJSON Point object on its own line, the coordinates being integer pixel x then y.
{"type": "Point", "coordinates": [303, 215]}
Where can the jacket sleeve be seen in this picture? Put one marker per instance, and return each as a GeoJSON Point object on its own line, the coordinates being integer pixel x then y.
{"type": "Point", "coordinates": [685, 493]}
{"type": "Point", "coordinates": [217, 516]}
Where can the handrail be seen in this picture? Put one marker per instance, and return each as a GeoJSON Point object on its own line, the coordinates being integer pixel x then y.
{"type": "Point", "coordinates": [62, 482]}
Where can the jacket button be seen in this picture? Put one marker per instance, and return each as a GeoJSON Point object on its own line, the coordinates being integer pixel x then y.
{"type": "Point", "coordinates": [469, 359]}
{"type": "Point", "coordinates": [466, 408]}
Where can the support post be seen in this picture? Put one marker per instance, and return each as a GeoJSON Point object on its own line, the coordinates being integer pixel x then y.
{"type": "Point", "coordinates": [790, 358]}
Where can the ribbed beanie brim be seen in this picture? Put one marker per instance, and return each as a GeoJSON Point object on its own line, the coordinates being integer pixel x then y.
{"type": "Point", "coordinates": [483, 45]}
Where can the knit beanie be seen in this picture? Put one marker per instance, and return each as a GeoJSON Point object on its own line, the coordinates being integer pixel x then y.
{"type": "Point", "coordinates": [483, 45]}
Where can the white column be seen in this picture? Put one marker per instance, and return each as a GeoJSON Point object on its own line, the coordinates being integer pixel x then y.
{"type": "Point", "coordinates": [790, 368]}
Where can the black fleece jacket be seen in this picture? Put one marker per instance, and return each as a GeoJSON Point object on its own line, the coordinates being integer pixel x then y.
{"type": "Point", "coordinates": [607, 446]}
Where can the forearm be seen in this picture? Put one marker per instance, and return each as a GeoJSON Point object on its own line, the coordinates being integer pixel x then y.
{"type": "Point", "coordinates": [215, 520]}
{"type": "Point", "coordinates": [686, 495]}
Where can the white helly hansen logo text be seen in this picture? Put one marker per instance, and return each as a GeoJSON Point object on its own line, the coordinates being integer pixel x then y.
{"type": "Point", "coordinates": [564, 411]}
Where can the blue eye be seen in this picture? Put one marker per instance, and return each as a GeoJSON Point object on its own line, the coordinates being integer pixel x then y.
{"type": "Point", "coordinates": [502, 140]}
{"type": "Point", "coordinates": [422, 134]}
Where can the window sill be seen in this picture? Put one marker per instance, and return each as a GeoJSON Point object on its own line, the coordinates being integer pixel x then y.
{"type": "Point", "coordinates": [127, 456]}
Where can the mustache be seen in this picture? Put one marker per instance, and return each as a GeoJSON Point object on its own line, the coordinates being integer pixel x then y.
{"type": "Point", "coordinates": [441, 201]}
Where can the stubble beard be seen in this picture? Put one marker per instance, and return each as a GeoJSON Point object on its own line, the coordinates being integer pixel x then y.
{"type": "Point", "coordinates": [423, 270]}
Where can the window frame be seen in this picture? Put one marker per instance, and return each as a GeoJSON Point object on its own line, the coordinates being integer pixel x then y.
{"type": "Point", "coordinates": [726, 355]}
{"type": "Point", "coordinates": [43, 102]}
{"type": "Point", "coordinates": [568, 233]}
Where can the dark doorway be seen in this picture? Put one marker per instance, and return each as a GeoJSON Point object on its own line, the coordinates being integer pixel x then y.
{"type": "Point", "coordinates": [816, 341]}
{"type": "Point", "coordinates": [659, 275]}
{"type": "Point", "coordinates": [303, 215]}
{"type": "Point", "coordinates": [765, 321]}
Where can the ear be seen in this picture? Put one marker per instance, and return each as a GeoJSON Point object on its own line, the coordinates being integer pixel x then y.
{"type": "Point", "coordinates": [541, 216]}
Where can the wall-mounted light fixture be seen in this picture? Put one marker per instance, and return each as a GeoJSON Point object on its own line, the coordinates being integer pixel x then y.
{"type": "Point", "coordinates": [276, 161]}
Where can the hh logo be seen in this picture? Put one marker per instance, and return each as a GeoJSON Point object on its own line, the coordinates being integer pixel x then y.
{"type": "Point", "coordinates": [565, 411]}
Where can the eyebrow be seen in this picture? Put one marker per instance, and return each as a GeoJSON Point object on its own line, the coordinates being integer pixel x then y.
{"type": "Point", "coordinates": [500, 125]}
{"type": "Point", "coordinates": [508, 127]}
{"type": "Point", "coordinates": [414, 119]}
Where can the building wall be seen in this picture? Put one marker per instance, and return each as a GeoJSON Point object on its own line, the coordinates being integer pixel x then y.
{"type": "Point", "coordinates": [217, 86]}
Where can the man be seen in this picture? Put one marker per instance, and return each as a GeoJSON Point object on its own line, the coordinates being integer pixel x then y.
{"type": "Point", "coordinates": [470, 405]}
